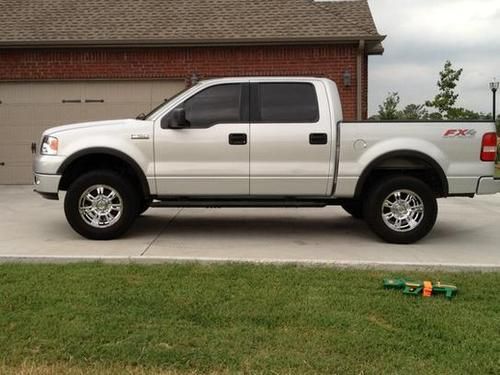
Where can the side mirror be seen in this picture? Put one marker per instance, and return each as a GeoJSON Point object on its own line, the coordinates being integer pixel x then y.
{"type": "Point", "coordinates": [175, 119]}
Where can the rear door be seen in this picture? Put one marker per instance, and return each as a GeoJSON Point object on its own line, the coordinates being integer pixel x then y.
{"type": "Point", "coordinates": [290, 139]}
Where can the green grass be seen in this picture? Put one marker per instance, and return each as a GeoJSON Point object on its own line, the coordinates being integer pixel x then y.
{"type": "Point", "coordinates": [94, 318]}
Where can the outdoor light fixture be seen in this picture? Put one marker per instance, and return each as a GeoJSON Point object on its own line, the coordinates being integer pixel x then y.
{"type": "Point", "coordinates": [494, 88]}
{"type": "Point", "coordinates": [346, 77]}
{"type": "Point", "coordinates": [194, 79]}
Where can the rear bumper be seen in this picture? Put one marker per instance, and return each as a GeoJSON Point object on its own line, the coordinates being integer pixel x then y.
{"type": "Point", "coordinates": [488, 185]}
{"type": "Point", "coordinates": [46, 185]}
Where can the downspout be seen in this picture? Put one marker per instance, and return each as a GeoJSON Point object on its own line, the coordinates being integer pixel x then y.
{"type": "Point", "coordinates": [359, 80]}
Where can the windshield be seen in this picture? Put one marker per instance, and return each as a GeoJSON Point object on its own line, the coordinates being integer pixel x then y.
{"type": "Point", "coordinates": [155, 110]}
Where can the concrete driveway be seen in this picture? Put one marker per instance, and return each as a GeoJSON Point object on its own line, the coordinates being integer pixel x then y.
{"type": "Point", "coordinates": [467, 234]}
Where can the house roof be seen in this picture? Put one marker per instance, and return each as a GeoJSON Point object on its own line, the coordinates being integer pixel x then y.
{"type": "Point", "coordinates": [184, 22]}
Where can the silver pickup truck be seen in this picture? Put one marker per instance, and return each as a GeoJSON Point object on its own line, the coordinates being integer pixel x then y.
{"type": "Point", "coordinates": [263, 142]}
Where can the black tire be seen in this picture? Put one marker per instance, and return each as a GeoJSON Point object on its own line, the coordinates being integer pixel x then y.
{"type": "Point", "coordinates": [143, 206]}
{"type": "Point", "coordinates": [127, 198]}
{"type": "Point", "coordinates": [423, 221]}
{"type": "Point", "coordinates": [354, 208]}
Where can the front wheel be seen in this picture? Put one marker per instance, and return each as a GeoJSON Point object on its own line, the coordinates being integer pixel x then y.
{"type": "Point", "coordinates": [401, 210]}
{"type": "Point", "coordinates": [354, 208]}
{"type": "Point", "coordinates": [101, 205]}
{"type": "Point", "coordinates": [143, 206]}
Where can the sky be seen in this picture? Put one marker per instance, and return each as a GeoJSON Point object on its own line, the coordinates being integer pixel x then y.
{"type": "Point", "coordinates": [421, 36]}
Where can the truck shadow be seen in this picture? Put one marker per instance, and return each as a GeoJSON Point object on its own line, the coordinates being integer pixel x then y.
{"type": "Point", "coordinates": [257, 227]}
{"type": "Point", "coordinates": [295, 226]}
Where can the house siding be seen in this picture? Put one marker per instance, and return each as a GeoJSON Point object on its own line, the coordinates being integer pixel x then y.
{"type": "Point", "coordinates": [163, 63]}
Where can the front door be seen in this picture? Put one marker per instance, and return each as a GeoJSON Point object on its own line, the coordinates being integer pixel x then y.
{"type": "Point", "coordinates": [291, 140]}
{"type": "Point", "coordinates": [211, 156]}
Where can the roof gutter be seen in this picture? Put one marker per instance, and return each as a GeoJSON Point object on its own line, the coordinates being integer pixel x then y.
{"type": "Point", "coordinates": [359, 79]}
{"type": "Point", "coordinates": [187, 43]}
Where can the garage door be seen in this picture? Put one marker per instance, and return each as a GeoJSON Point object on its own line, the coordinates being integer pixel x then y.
{"type": "Point", "coordinates": [28, 108]}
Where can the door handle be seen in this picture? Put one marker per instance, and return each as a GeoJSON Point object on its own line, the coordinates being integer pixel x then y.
{"type": "Point", "coordinates": [238, 139]}
{"type": "Point", "coordinates": [318, 139]}
{"type": "Point", "coordinates": [2, 163]}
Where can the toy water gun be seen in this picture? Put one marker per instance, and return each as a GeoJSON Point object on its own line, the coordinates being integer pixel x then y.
{"type": "Point", "coordinates": [426, 288]}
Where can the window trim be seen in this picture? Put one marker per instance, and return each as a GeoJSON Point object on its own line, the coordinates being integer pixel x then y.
{"type": "Point", "coordinates": [244, 105]}
{"type": "Point", "coordinates": [255, 113]}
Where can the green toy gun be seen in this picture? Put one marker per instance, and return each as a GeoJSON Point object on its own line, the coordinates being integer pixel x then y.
{"type": "Point", "coordinates": [426, 288]}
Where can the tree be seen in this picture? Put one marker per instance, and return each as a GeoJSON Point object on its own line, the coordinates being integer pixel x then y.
{"type": "Point", "coordinates": [466, 114]}
{"type": "Point", "coordinates": [446, 98]}
{"type": "Point", "coordinates": [434, 116]}
{"type": "Point", "coordinates": [414, 112]}
{"type": "Point", "coordinates": [389, 108]}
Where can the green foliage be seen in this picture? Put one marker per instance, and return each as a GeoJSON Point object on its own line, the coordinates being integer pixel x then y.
{"type": "Point", "coordinates": [435, 116]}
{"type": "Point", "coordinates": [414, 112]}
{"type": "Point", "coordinates": [243, 319]}
{"type": "Point", "coordinates": [466, 114]}
{"type": "Point", "coordinates": [446, 98]}
{"type": "Point", "coordinates": [389, 108]}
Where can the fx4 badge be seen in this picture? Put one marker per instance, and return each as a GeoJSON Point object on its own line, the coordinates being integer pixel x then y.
{"type": "Point", "coordinates": [451, 133]}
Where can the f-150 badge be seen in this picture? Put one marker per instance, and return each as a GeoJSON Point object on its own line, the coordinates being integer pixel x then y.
{"type": "Point", "coordinates": [451, 133]}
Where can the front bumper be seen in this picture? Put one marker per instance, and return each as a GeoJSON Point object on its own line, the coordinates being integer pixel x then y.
{"type": "Point", "coordinates": [488, 185]}
{"type": "Point", "coordinates": [47, 185]}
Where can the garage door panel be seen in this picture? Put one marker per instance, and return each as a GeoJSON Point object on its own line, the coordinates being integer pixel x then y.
{"type": "Point", "coordinates": [159, 92]}
{"type": "Point", "coordinates": [22, 115]}
{"type": "Point", "coordinates": [29, 108]}
{"type": "Point", "coordinates": [39, 93]}
{"type": "Point", "coordinates": [15, 175]}
{"type": "Point", "coordinates": [118, 92]}
{"type": "Point", "coordinates": [18, 153]}
{"type": "Point", "coordinates": [11, 134]}
{"type": "Point", "coordinates": [93, 112]}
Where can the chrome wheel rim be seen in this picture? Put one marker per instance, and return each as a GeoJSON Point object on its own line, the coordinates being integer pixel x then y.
{"type": "Point", "coordinates": [403, 210]}
{"type": "Point", "coordinates": [100, 206]}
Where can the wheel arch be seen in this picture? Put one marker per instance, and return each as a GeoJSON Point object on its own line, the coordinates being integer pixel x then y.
{"type": "Point", "coordinates": [409, 161]}
{"type": "Point", "coordinates": [104, 158]}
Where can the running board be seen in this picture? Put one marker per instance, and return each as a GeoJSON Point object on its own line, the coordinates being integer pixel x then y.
{"type": "Point", "coordinates": [201, 203]}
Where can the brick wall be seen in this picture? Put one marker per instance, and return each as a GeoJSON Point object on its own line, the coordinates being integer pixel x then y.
{"type": "Point", "coordinates": [161, 63]}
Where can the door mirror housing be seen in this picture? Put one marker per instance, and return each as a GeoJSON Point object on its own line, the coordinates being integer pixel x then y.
{"type": "Point", "coordinates": [175, 119]}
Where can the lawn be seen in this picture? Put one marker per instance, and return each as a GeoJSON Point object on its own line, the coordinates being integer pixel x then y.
{"type": "Point", "coordinates": [186, 319]}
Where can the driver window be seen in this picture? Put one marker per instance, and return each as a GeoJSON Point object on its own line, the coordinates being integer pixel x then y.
{"type": "Point", "coordinates": [214, 105]}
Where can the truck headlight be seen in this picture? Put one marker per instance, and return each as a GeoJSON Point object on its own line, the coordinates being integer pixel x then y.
{"type": "Point", "coordinates": [50, 145]}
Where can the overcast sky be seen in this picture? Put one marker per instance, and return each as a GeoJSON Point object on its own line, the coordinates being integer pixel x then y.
{"type": "Point", "coordinates": [422, 35]}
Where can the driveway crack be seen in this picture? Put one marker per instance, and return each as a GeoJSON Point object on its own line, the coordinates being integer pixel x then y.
{"type": "Point", "coordinates": [161, 232]}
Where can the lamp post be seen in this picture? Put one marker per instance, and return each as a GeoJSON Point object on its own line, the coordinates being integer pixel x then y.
{"type": "Point", "coordinates": [494, 88]}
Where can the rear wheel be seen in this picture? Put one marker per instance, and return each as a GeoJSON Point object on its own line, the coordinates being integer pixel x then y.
{"type": "Point", "coordinates": [401, 210]}
{"type": "Point", "coordinates": [101, 205]}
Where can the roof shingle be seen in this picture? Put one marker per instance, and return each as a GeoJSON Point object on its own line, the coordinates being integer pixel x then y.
{"type": "Point", "coordinates": [182, 22]}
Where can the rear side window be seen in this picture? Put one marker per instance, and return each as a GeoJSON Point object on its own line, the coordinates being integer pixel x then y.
{"type": "Point", "coordinates": [285, 103]}
{"type": "Point", "coordinates": [215, 105]}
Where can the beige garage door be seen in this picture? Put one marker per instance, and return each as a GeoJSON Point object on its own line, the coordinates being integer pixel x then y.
{"type": "Point", "coordinates": [28, 108]}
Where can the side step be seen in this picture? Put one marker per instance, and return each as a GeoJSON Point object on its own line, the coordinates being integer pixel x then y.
{"type": "Point", "coordinates": [204, 203]}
